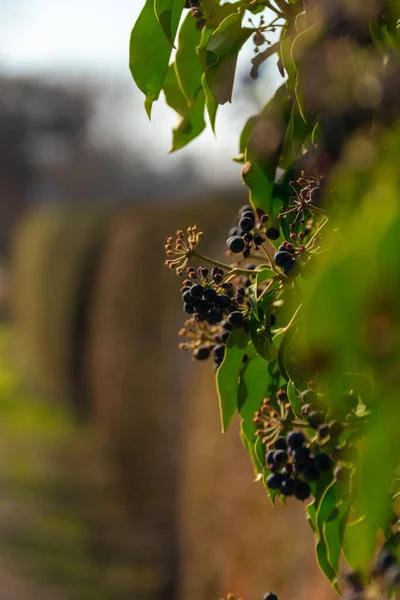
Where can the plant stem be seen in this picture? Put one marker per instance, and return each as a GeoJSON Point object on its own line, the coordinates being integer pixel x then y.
{"type": "Point", "coordinates": [217, 263]}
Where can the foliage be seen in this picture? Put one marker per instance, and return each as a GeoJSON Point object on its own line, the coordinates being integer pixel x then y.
{"type": "Point", "coordinates": [305, 337]}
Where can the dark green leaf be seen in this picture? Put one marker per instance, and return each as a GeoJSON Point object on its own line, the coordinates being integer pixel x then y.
{"type": "Point", "coordinates": [168, 13]}
{"type": "Point", "coordinates": [149, 53]}
{"type": "Point", "coordinates": [261, 338]}
{"type": "Point", "coordinates": [294, 400]}
{"type": "Point", "coordinates": [254, 386]}
{"type": "Point", "coordinates": [222, 52]}
{"type": "Point", "coordinates": [228, 375]}
{"type": "Point", "coordinates": [250, 447]}
{"type": "Point", "coordinates": [325, 509]}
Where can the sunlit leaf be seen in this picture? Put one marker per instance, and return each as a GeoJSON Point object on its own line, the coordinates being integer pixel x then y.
{"type": "Point", "coordinates": [228, 375]}
{"type": "Point", "coordinates": [149, 53]}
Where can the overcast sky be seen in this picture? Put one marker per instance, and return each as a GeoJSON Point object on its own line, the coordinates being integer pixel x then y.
{"type": "Point", "coordinates": [75, 39]}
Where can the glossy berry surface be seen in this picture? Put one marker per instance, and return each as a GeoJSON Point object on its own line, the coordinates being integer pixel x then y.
{"type": "Point", "coordinates": [272, 233]}
{"type": "Point", "coordinates": [235, 319]}
{"type": "Point", "coordinates": [282, 257]}
{"type": "Point", "coordinates": [274, 481]}
{"type": "Point", "coordinates": [258, 240]}
{"type": "Point", "coordinates": [281, 458]}
{"type": "Point", "coordinates": [303, 491]}
{"type": "Point", "coordinates": [246, 223]}
{"type": "Point", "coordinates": [323, 462]}
{"type": "Point", "coordinates": [280, 443]}
{"type": "Point", "coordinates": [197, 290]}
{"type": "Point", "coordinates": [288, 266]}
{"type": "Point", "coordinates": [270, 596]}
{"type": "Point", "coordinates": [201, 353]}
{"type": "Point", "coordinates": [295, 439]}
{"type": "Point", "coordinates": [235, 244]}
{"type": "Point", "coordinates": [288, 487]}
{"type": "Point", "coordinates": [315, 419]}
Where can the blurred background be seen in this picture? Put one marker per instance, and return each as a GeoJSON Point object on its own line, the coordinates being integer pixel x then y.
{"type": "Point", "coordinates": [115, 481]}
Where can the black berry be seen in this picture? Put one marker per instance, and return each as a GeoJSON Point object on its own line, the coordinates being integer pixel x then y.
{"type": "Point", "coordinates": [222, 301]}
{"type": "Point", "coordinates": [303, 490]}
{"type": "Point", "coordinates": [282, 257]}
{"type": "Point", "coordinates": [281, 458]}
{"type": "Point", "coordinates": [315, 419]}
{"type": "Point", "coordinates": [323, 431]}
{"type": "Point", "coordinates": [270, 457]}
{"type": "Point", "coordinates": [202, 307]}
{"type": "Point", "coordinates": [210, 294]}
{"type": "Point", "coordinates": [226, 325]}
{"type": "Point", "coordinates": [310, 473]}
{"type": "Point", "coordinates": [214, 316]}
{"type": "Point", "coordinates": [288, 266]}
{"type": "Point", "coordinates": [315, 195]}
{"type": "Point", "coordinates": [235, 319]}
{"type": "Point", "coordinates": [235, 231]}
{"type": "Point", "coordinates": [280, 444]}
{"type": "Point", "coordinates": [323, 462]}
{"type": "Point", "coordinates": [189, 309]}
{"type": "Point", "coordinates": [287, 487]}
{"type": "Point", "coordinates": [335, 429]}
{"type": "Point", "coordinates": [258, 240]}
{"type": "Point", "coordinates": [246, 224]}
{"type": "Point", "coordinates": [245, 208]}
{"type": "Point", "coordinates": [274, 481]}
{"type": "Point", "coordinates": [235, 244]}
{"type": "Point", "coordinates": [272, 233]}
{"type": "Point", "coordinates": [270, 596]}
{"type": "Point", "coordinates": [295, 439]}
{"type": "Point", "coordinates": [188, 298]}
{"type": "Point", "coordinates": [301, 455]}
{"type": "Point", "coordinates": [197, 290]}
{"type": "Point", "coordinates": [201, 353]}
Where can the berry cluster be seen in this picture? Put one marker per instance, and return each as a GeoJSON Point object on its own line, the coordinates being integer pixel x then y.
{"type": "Point", "coordinates": [196, 12]}
{"type": "Point", "coordinates": [294, 466]}
{"type": "Point", "coordinates": [285, 257]}
{"type": "Point", "coordinates": [384, 580]}
{"type": "Point", "coordinates": [250, 232]}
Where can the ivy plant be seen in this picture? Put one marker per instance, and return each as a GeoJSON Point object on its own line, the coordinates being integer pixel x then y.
{"type": "Point", "coordinates": [302, 319]}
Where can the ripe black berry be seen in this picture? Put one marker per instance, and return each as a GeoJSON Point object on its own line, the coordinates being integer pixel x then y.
{"type": "Point", "coordinates": [323, 431]}
{"type": "Point", "coordinates": [335, 429]}
{"type": "Point", "coordinates": [270, 596]}
{"type": "Point", "coordinates": [310, 473]}
{"type": "Point", "coordinates": [234, 231]}
{"type": "Point", "coordinates": [295, 439]}
{"type": "Point", "coordinates": [235, 319]}
{"type": "Point", "coordinates": [214, 316]}
{"type": "Point", "coordinates": [288, 266]}
{"type": "Point", "coordinates": [301, 455]}
{"type": "Point", "coordinates": [282, 257]}
{"type": "Point", "coordinates": [272, 233]}
{"type": "Point", "coordinates": [210, 294]}
{"type": "Point", "coordinates": [235, 244]}
{"type": "Point", "coordinates": [226, 325]}
{"type": "Point", "coordinates": [281, 458]}
{"type": "Point", "coordinates": [287, 487]}
{"type": "Point", "coordinates": [270, 457]}
{"type": "Point", "coordinates": [245, 208]}
{"type": "Point", "coordinates": [222, 301]}
{"type": "Point", "coordinates": [202, 307]}
{"type": "Point", "coordinates": [248, 214]}
{"type": "Point", "coordinates": [280, 444]}
{"type": "Point", "coordinates": [197, 290]}
{"type": "Point", "coordinates": [248, 237]}
{"type": "Point", "coordinates": [246, 223]}
{"type": "Point", "coordinates": [323, 462]}
{"type": "Point", "coordinates": [315, 419]}
{"type": "Point", "coordinates": [223, 337]}
{"type": "Point", "coordinates": [188, 298]}
{"type": "Point", "coordinates": [303, 490]}
{"type": "Point", "coordinates": [201, 353]}
{"type": "Point", "coordinates": [258, 240]}
{"type": "Point", "coordinates": [274, 481]}
{"type": "Point", "coordinates": [189, 309]}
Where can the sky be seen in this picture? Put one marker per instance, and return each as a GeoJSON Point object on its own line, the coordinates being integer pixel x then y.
{"type": "Point", "coordinates": [88, 40]}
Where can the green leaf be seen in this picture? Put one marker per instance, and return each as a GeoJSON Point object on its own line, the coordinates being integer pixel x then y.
{"type": "Point", "coordinates": [228, 375]}
{"type": "Point", "coordinates": [294, 400]}
{"type": "Point", "coordinates": [253, 388]}
{"type": "Point", "coordinates": [168, 13]}
{"type": "Point", "coordinates": [295, 136]}
{"type": "Point", "coordinates": [334, 528]}
{"type": "Point", "coordinates": [359, 544]}
{"type": "Point", "coordinates": [251, 449]}
{"type": "Point", "coordinates": [261, 338]}
{"type": "Point", "coordinates": [211, 103]}
{"type": "Point", "coordinates": [264, 273]}
{"type": "Point", "coordinates": [149, 53]}
{"type": "Point", "coordinates": [222, 52]}
{"type": "Point", "coordinates": [192, 117]}
{"type": "Point", "coordinates": [187, 62]}
{"type": "Point", "coordinates": [325, 509]}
